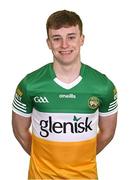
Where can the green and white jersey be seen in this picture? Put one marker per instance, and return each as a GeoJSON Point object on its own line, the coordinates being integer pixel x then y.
{"type": "Point", "coordinates": [64, 116]}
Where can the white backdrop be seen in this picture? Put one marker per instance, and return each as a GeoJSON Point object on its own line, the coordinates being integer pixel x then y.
{"type": "Point", "coordinates": [23, 49]}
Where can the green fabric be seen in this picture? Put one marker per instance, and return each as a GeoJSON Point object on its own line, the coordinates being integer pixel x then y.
{"type": "Point", "coordinates": [39, 90]}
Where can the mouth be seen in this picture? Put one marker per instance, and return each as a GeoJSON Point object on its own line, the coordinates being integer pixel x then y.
{"type": "Point", "coordinates": [67, 52]}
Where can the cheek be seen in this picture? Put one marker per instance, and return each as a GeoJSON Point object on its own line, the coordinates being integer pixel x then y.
{"type": "Point", "coordinates": [78, 45]}
{"type": "Point", "coordinates": [55, 46]}
{"type": "Point", "coordinates": [52, 45]}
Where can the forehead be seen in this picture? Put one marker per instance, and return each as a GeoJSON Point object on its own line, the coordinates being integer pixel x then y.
{"type": "Point", "coordinates": [64, 31]}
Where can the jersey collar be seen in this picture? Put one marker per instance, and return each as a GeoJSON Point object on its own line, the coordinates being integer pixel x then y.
{"type": "Point", "coordinates": [67, 85]}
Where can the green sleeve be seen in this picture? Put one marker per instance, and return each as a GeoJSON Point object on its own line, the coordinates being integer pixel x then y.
{"type": "Point", "coordinates": [108, 103]}
{"type": "Point", "coordinates": [22, 103]}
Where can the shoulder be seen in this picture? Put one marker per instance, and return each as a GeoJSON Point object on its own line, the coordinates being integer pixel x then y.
{"type": "Point", "coordinates": [35, 77]}
{"type": "Point", "coordinates": [37, 74]}
{"type": "Point", "coordinates": [95, 74]}
{"type": "Point", "coordinates": [97, 78]}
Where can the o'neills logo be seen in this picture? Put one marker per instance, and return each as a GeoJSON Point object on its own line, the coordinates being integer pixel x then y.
{"type": "Point", "coordinates": [48, 126]}
{"type": "Point", "coordinates": [71, 96]}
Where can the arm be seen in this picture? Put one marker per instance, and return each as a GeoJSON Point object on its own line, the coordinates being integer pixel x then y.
{"type": "Point", "coordinates": [107, 126]}
{"type": "Point", "coordinates": [21, 127]}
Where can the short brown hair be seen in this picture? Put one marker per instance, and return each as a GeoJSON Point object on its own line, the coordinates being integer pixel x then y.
{"type": "Point", "coordinates": [63, 18]}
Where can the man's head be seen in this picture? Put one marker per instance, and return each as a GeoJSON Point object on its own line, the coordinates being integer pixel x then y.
{"type": "Point", "coordinates": [63, 18]}
{"type": "Point", "coordinates": [65, 37]}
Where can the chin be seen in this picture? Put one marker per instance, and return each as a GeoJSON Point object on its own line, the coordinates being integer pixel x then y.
{"type": "Point", "coordinates": [66, 61]}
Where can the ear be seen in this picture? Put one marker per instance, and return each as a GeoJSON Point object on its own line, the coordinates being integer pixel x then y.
{"type": "Point", "coordinates": [82, 39]}
{"type": "Point", "coordinates": [48, 43]}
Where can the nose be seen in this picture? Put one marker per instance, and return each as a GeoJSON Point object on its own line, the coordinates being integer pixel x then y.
{"type": "Point", "coordinates": [64, 43]}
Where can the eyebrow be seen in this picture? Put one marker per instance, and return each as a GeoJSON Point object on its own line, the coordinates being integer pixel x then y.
{"type": "Point", "coordinates": [70, 34]}
{"type": "Point", "coordinates": [58, 35]}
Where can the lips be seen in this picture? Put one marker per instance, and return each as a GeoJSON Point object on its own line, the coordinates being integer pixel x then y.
{"type": "Point", "coordinates": [66, 52]}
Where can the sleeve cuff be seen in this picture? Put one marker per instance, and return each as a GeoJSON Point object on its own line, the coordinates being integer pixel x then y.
{"type": "Point", "coordinates": [108, 113]}
{"type": "Point", "coordinates": [21, 113]}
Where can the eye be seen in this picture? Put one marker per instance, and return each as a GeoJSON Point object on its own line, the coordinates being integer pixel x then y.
{"type": "Point", "coordinates": [71, 37]}
{"type": "Point", "coordinates": [56, 39]}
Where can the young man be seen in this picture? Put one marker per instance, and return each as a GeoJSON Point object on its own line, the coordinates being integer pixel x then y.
{"type": "Point", "coordinates": [65, 101]}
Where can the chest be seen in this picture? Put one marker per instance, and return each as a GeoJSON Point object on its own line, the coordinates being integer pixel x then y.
{"type": "Point", "coordinates": [51, 97]}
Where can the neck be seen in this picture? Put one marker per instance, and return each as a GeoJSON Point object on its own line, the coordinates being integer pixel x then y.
{"type": "Point", "coordinates": [67, 73]}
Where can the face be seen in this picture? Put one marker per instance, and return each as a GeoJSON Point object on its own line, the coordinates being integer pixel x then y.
{"type": "Point", "coordinates": [65, 44]}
